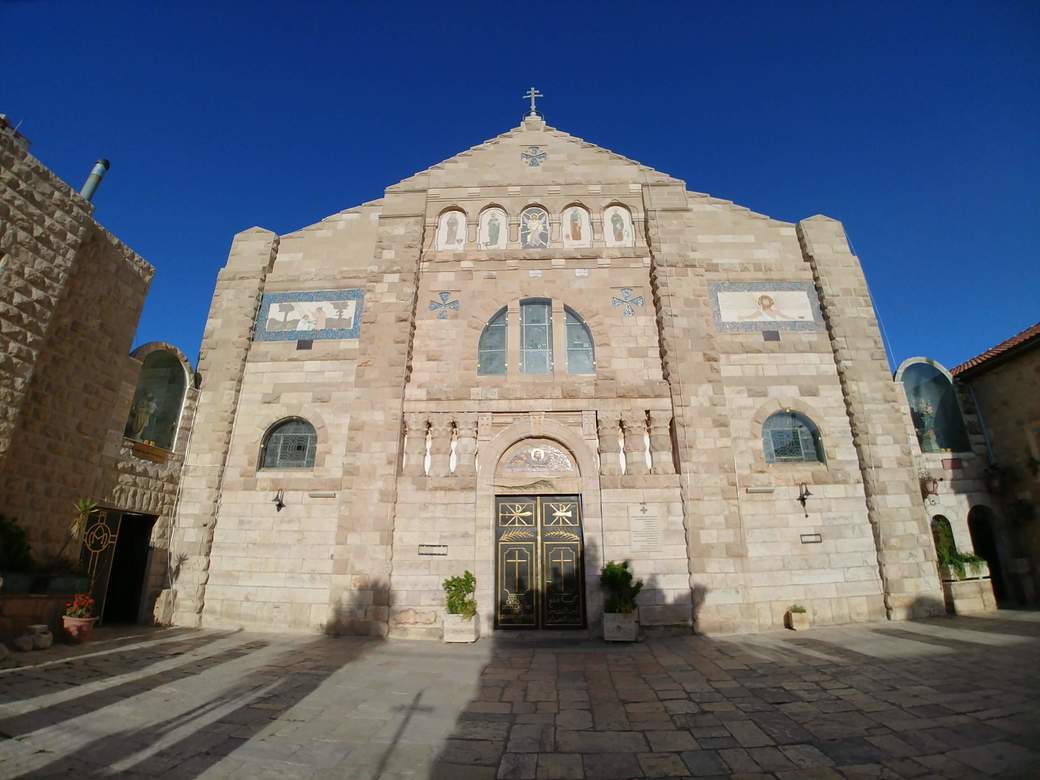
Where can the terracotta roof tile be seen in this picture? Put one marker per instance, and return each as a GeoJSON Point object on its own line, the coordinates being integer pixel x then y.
{"type": "Point", "coordinates": [993, 352]}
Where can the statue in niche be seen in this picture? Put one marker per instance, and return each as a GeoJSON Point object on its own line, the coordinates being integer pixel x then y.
{"type": "Point", "coordinates": [494, 226]}
{"type": "Point", "coordinates": [617, 222]}
{"type": "Point", "coordinates": [575, 225]}
{"type": "Point", "coordinates": [141, 415]}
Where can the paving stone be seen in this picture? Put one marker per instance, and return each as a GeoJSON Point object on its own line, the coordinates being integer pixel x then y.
{"type": "Point", "coordinates": [560, 766]}
{"type": "Point", "coordinates": [704, 763]}
{"type": "Point", "coordinates": [748, 734]}
{"type": "Point", "coordinates": [676, 740]}
{"type": "Point", "coordinates": [611, 766]}
{"type": "Point", "coordinates": [531, 738]}
{"type": "Point", "coordinates": [518, 766]}
{"type": "Point", "coordinates": [574, 720]}
{"type": "Point", "coordinates": [999, 758]}
{"type": "Point", "coordinates": [662, 765]}
{"type": "Point", "coordinates": [739, 760]}
{"type": "Point", "coordinates": [600, 742]}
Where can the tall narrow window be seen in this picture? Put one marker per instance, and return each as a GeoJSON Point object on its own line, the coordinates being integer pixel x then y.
{"type": "Point", "coordinates": [581, 358]}
{"type": "Point", "coordinates": [788, 437]}
{"type": "Point", "coordinates": [290, 444]}
{"type": "Point", "coordinates": [491, 354]}
{"type": "Point", "coordinates": [535, 337]}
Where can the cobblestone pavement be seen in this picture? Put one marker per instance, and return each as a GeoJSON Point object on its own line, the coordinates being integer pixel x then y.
{"type": "Point", "coordinates": [942, 698]}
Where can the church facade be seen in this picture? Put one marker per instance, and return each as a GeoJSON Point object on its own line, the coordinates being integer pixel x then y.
{"type": "Point", "coordinates": [528, 360]}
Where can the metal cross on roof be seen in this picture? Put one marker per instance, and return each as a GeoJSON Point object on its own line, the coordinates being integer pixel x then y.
{"type": "Point", "coordinates": [533, 94]}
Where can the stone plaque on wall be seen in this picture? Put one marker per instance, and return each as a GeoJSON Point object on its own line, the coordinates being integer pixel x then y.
{"type": "Point", "coordinates": [644, 528]}
{"type": "Point", "coordinates": [314, 315]}
{"type": "Point", "coordinates": [757, 306]}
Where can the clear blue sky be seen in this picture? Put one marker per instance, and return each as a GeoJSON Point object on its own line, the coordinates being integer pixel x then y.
{"type": "Point", "coordinates": [916, 124]}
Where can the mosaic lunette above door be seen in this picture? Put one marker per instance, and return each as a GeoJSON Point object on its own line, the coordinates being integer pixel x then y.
{"type": "Point", "coordinates": [314, 315]}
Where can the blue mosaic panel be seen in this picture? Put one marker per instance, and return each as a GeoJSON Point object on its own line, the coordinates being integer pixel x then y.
{"type": "Point", "coordinates": [748, 307]}
{"type": "Point", "coordinates": [314, 315]}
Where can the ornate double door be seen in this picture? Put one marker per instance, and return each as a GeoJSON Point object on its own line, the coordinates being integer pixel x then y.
{"type": "Point", "coordinates": [539, 572]}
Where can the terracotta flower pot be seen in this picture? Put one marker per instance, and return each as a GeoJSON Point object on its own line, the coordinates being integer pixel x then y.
{"type": "Point", "coordinates": [78, 628]}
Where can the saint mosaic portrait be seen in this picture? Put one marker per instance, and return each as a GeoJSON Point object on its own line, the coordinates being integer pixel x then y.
{"type": "Point", "coordinates": [534, 228]}
{"type": "Point", "coordinates": [753, 306]}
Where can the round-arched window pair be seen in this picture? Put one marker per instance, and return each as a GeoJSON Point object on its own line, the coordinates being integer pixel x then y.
{"type": "Point", "coordinates": [789, 437]}
{"type": "Point", "coordinates": [289, 444]}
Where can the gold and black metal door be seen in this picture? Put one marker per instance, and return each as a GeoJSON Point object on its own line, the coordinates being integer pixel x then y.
{"type": "Point", "coordinates": [539, 571]}
{"type": "Point", "coordinates": [99, 546]}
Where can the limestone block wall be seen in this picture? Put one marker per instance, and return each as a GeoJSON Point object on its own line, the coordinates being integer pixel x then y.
{"type": "Point", "coordinates": [897, 514]}
{"type": "Point", "coordinates": [753, 551]}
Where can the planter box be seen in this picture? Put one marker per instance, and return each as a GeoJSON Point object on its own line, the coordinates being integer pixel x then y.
{"type": "Point", "coordinates": [797, 621]}
{"type": "Point", "coordinates": [963, 596]}
{"type": "Point", "coordinates": [621, 627]}
{"type": "Point", "coordinates": [970, 573]}
{"type": "Point", "coordinates": [460, 629]}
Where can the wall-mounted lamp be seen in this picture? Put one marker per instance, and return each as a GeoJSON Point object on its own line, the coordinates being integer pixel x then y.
{"type": "Point", "coordinates": [803, 497]}
{"type": "Point", "coordinates": [930, 487]}
{"type": "Point", "coordinates": [279, 500]}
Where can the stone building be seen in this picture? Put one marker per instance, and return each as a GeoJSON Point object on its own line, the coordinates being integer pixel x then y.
{"type": "Point", "coordinates": [530, 359]}
{"type": "Point", "coordinates": [79, 416]}
{"type": "Point", "coordinates": [977, 446]}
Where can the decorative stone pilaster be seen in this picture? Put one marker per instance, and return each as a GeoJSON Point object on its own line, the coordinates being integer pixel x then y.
{"type": "Point", "coordinates": [466, 448]}
{"type": "Point", "coordinates": [635, 443]}
{"type": "Point", "coordinates": [661, 442]}
{"type": "Point", "coordinates": [609, 428]}
{"type": "Point", "coordinates": [441, 429]}
{"type": "Point", "coordinates": [415, 445]}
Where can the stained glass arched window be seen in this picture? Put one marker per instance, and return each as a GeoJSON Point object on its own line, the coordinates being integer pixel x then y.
{"type": "Point", "coordinates": [156, 409]}
{"type": "Point", "coordinates": [581, 357]}
{"type": "Point", "coordinates": [934, 410]}
{"type": "Point", "coordinates": [536, 336]}
{"type": "Point", "coordinates": [289, 444]}
{"type": "Point", "coordinates": [789, 437]}
{"type": "Point", "coordinates": [491, 353]}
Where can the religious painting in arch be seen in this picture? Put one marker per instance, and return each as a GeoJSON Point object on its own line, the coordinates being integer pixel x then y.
{"type": "Point", "coordinates": [577, 227]}
{"type": "Point", "coordinates": [494, 229]}
{"type": "Point", "coordinates": [617, 227]}
{"type": "Point", "coordinates": [534, 228]}
{"type": "Point", "coordinates": [539, 562]}
{"type": "Point", "coordinates": [156, 408]}
{"type": "Point", "coordinates": [451, 231]}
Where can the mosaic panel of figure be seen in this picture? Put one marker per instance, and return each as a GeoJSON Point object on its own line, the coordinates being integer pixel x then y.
{"type": "Point", "coordinates": [751, 306]}
{"type": "Point", "coordinates": [540, 456]}
{"type": "Point", "coordinates": [451, 231]}
{"type": "Point", "coordinates": [617, 227]}
{"type": "Point", "coordinates": [534, 228]}
{"type": "Point", "coordinates": [314, 315]}
{"type": "Point", "coordinates": [156, 409]}
{"type": "Point", "coordinates": [577, 227]}
{"type": "Point", "coordinates": [494, 229]}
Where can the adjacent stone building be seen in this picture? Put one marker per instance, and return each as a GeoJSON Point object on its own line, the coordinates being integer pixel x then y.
{"type": "Point", "coordinates": [525, 361]}
{"type": "Point", "coordinates": [80, 417]}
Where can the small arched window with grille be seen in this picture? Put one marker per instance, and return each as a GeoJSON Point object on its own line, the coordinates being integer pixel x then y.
{"type": "Point", "coordinates": [491, 353]}
{"type": "Point", "coordinates": [289, 444]}
{"type": "Point", "coordinates": [789, 437]}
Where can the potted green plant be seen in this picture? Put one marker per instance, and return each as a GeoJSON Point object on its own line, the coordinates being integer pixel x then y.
{"type": "Point", "coordinates": [620, 612]}
{"type": "Point", "coordinates": [78, 620]}
{"type": "Point", "coordinates": [460, 624]}
{"type": "Point", "coordinates": [65, 570]}
{"type": "Point", "coordinates": [797, 618]}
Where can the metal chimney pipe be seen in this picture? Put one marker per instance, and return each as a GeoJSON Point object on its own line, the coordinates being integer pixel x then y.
{"type": "Point", "coordinates": [97, 173]}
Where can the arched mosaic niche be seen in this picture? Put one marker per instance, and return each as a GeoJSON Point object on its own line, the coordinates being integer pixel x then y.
{"type": "Point", "coordinates": [158, 399]}
{"type": "Point", "coordinates": [538, 456]}
{"type": "Point", "coordinates": [494, 228]}
{"type": "Point", "coordinates": [576, 227]}
{"type": "Point", "coordinates": [933, 407]}
{"type": "Point", "coordinates": [451, 231]}
{"type": "Point", "coordinates": [617, 226]}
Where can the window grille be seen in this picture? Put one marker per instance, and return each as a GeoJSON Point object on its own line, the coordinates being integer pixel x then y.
{"type": "Point", "coordinates": [788, 437]}
{"type": "Point", "coordinates": [581, 358]}
{"type": "Point", "coordinates": [491, 354]}
{"type": "Point", "coordinates": [289, 445]}
{"type": "Point", "coordinates": [536, 337]}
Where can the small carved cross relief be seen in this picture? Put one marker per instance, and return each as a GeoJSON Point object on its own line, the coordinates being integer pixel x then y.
{"type": "Point", "coordinates": [442, 306]}
{"type": "Point", "coordinates": [628, 301]}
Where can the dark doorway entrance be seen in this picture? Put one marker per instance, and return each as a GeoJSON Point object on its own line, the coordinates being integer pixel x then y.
{"type": "Point", "coordinates": [129, 565]}
{"type": "Point", "coordinates": [983, 539]}
{"type": "Point", "coordinates": [539, 562]}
